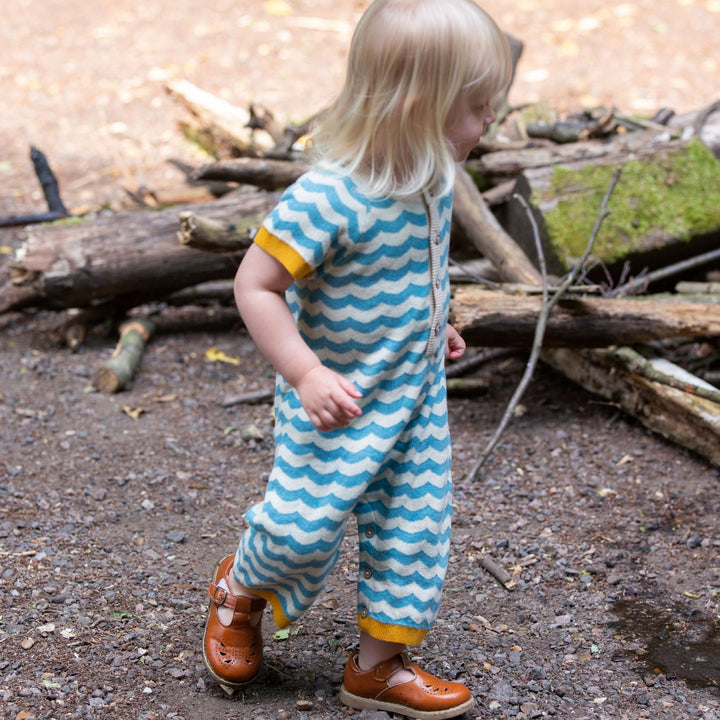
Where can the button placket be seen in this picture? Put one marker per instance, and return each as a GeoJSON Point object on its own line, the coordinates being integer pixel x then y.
{"type": "Point", "coordinates": [436, 300]}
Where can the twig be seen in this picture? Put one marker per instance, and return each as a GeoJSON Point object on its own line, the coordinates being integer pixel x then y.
{"type": "Point", "coordinates": [472, 362]}
{"type": "Point", "coordinates": [251, 398]}
{"type": "Point", "coordinates": [640, 283]}
{"type": "Point", "coordinates": [477, 278]}
{"type": "Point", "coordinates": [48, 181]}
{"type": "Point", "coordinates": [51, 191]}
{"type": "Point", "coordinates": [545, 311]}
{"type": "Point", "coordinates": [499, 573]}
{"type": "Point", "coordinates": [32, 219]}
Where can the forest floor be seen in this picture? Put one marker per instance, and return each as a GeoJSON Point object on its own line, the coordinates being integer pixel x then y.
{"type": "Point", "coordinates": [115, 508]}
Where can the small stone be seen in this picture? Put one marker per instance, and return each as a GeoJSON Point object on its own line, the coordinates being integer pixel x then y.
{"type": "Point", "coordinates": [27, 643]}
{"type": "Point", "coordinates": [304, 705]}
{"type": "Point", "coordinates": [252, 432]}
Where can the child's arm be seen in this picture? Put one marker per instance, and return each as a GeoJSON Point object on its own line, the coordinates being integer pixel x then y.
{"type": "Point", "coordinates": [260, 284]}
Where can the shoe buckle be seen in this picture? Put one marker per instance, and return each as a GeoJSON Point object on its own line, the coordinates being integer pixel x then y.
{"type": "Point", "coordinates": [219, 596]}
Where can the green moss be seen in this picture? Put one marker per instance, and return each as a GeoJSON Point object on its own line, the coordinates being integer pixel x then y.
{"type": "Point", "coordinates": [482, 182]}
{"type": "Point", "coordinates": [69, 220]}
{"type": "Point", "coordinates": [675, 195]}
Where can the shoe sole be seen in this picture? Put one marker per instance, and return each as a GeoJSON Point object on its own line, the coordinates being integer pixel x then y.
{"type": "Point", "coordinates": [360, 703]}
{"type": "Point", "coordinates": [229, 687]}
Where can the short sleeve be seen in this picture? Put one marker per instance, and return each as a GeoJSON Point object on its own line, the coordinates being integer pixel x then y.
{"type": "Point", "coordinates": [303, 225]}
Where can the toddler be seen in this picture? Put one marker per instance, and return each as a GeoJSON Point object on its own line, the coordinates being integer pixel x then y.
{"type": "Point", "coordinates": [345, 290]}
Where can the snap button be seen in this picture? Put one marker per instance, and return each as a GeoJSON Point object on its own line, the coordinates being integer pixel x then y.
{"type": "Point", "coordinates": [364, 613]}
{"type": "Point", "coordinates": [367, 573]}
{"type": "Point", "coordinates": [370, 532]}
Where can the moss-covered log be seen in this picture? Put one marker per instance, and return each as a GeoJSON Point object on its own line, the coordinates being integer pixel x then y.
{"type": "Point", "coordinates": [665, 207]}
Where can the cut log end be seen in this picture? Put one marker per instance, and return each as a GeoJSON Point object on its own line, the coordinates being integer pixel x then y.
{"type": "Point", "coordinates": [106, 380]}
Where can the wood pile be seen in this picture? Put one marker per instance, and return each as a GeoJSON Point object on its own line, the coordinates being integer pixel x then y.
{"type": "Point", "coordinates": [640, 325]}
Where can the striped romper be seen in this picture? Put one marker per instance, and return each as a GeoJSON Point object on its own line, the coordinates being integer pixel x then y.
{"type": "Point", "coordinates": [371, 298]}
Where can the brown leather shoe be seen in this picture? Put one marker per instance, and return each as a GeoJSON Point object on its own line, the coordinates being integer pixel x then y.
{"type": "Point", "coordinates": [233, 653]}
{"type": "Point", "coordinates": [425, 697]}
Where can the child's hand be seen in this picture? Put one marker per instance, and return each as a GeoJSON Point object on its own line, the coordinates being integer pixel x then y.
{"type": "Point", "coordinates": [326, 397]}
{"type": "Point", "coordinates": [454, 344]}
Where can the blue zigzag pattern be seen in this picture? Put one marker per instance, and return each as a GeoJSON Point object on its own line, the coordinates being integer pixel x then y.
{"type": "Point", "coordinates": [365, 310]}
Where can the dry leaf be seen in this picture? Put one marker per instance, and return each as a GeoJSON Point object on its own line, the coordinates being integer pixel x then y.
{"type": "Point", "coordinates": [215, 355]}
{"type": "Point", "coordinates": [134, 413]}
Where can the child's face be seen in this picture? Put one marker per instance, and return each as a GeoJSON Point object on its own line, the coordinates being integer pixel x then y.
{"type": "Point", "coordinates": [467, 121]}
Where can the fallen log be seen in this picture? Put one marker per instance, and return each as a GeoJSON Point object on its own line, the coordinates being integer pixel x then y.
{"type": "Point", "coordinates": [134, 255]}
{"type": "Point", "coordinates": [481, 228]}
{"type": "Point", "coordinates": [667, 373]}
{"type": "Point", "coordinates": [221, 129]}
{"type": "Point", "coordinates": [500, 164]}
{"type": "Point", "coordinates": [704, 124]}
{"type": "Point", "coordinates": [496, 319]}
{"type": "Point", "coordinates": [118, 370]}
{"type": "Point", "coordinates": [666, 207]}
{"type": "Point", "coordinates": [667, 411]}
{"type": "Point", "coordinates": [692, 422]}
{"type": "Point", "coordinates": [261, 172]}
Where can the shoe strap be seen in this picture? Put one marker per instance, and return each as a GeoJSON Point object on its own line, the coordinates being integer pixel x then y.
{"type": "Point", "coordinates": [384, 671]}
{"type": "Point", "coordinates": [220, 597]}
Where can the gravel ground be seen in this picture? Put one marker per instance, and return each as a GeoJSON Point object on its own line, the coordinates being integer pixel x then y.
{"type": "Point", "coordinates": [111, 525]}
{"type": "Point", "coordinates": [114, 509]}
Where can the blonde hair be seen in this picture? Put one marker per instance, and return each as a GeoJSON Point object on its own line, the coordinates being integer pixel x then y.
{"type": "Point", "coordinates": [409, 60]}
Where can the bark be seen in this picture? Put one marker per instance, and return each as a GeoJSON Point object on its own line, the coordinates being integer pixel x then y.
{"type": "Point", "coordinates": [204, 233]}
{"type": "Point", "coordinates": [480, 227]}
{"type": "Point", "coordinates": [135, 256]}
{"type": "Point", "coordinates": [495, 319]}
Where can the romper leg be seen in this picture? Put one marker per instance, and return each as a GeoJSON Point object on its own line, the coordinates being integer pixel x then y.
{"type": "Point", "coordinates": [404, 537]}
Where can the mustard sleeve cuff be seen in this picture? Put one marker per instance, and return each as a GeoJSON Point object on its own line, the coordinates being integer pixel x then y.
{"type": "Point", "coordinates": [287, 256]}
